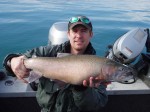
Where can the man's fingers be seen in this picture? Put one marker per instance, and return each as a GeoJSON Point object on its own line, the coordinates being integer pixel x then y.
{"type": "Point", "coordinates": [23, 80]}
{"type": "Point", "coordinates": [20, 76]}
{"type": "Point", "coordinates": [91, 82]}
{"type": "Point", "coordinates": [85, 83]}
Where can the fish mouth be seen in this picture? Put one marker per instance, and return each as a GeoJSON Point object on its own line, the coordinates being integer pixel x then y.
{"type": "Point", "coordinates": [126, 75]}
{"type": "Point", "coordinates": [127, 78]}
{"type": "Point", "coordinates": [130, 81]}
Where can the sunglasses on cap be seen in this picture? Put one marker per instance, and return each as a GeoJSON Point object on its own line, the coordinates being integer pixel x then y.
{"type": "Point", "coordinates": [77, 19]}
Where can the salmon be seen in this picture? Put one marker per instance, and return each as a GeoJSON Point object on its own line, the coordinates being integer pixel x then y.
{"type": "Point", "coordinates": [74, 69]}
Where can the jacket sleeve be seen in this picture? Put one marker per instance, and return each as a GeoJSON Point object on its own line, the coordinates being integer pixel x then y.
{"type": "Point", "coordinates": [42, 51]}
{"type": "Point", "coordinates": [39, 51]}
{"type": "Point", "coordinates": [90, 99]}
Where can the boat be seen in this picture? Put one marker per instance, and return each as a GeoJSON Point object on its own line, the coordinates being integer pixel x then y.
{"type": "Point", "coordinates": [16, 96]}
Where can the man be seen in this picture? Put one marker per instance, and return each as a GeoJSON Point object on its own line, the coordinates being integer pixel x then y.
{"type": "Point", "coordinates": [53, 95]}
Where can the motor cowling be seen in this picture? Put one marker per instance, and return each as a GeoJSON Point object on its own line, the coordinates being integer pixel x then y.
{"type": "Point", "coordinates": [58, 33]}
{"type": "Point", "coordinates": [129, 46]}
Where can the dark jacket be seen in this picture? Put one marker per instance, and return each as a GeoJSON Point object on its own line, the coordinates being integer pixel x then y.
{"type": "Point", "coordinates": [71, 98]}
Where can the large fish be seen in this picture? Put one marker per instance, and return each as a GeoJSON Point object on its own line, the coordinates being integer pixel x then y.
{"type": "Point", "coordinates": [74, 69]}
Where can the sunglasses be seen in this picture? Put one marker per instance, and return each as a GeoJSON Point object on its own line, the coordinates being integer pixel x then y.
{"type": "Point", "coordinates": [77, 19]}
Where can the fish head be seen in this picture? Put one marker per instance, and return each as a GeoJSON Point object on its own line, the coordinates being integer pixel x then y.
{"type": "Point", "coordinates": [124, 74]}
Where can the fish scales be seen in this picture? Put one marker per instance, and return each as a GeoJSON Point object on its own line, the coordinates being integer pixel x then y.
{"type": "Point", "coordinates": [76, 68]}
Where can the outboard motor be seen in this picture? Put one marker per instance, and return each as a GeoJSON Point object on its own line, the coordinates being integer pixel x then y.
{"type": "Point", "coordinates": [126, 49]}
{"type": "Point", "coordinates": [58, 33]}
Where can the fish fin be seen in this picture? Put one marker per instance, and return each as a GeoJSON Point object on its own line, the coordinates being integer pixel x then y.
{"type": "Point", "coordinates": [33, 76]}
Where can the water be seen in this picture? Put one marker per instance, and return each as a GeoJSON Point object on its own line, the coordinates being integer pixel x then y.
{"type": "Point", "coordinates": [24, 24]}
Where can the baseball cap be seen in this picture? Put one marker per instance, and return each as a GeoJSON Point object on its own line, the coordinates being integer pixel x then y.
{"type": "Point", "coordinates": [82, 20]}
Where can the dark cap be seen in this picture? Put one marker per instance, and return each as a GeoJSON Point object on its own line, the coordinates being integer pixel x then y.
{"type": "Point", "coordinates": [79, 20]}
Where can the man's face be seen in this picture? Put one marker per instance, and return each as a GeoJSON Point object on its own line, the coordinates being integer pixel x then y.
{"type": "Point", "coordinates": [79, 37]}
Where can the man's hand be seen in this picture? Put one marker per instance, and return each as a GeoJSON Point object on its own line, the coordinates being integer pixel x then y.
{"type": "Point", "coordinates": [17, 66]}
{"type": "Point", "coordinates": [94, 82]}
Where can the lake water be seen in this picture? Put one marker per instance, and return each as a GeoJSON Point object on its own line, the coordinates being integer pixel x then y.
{"type": "Point", "coordinates": [24, 24]}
